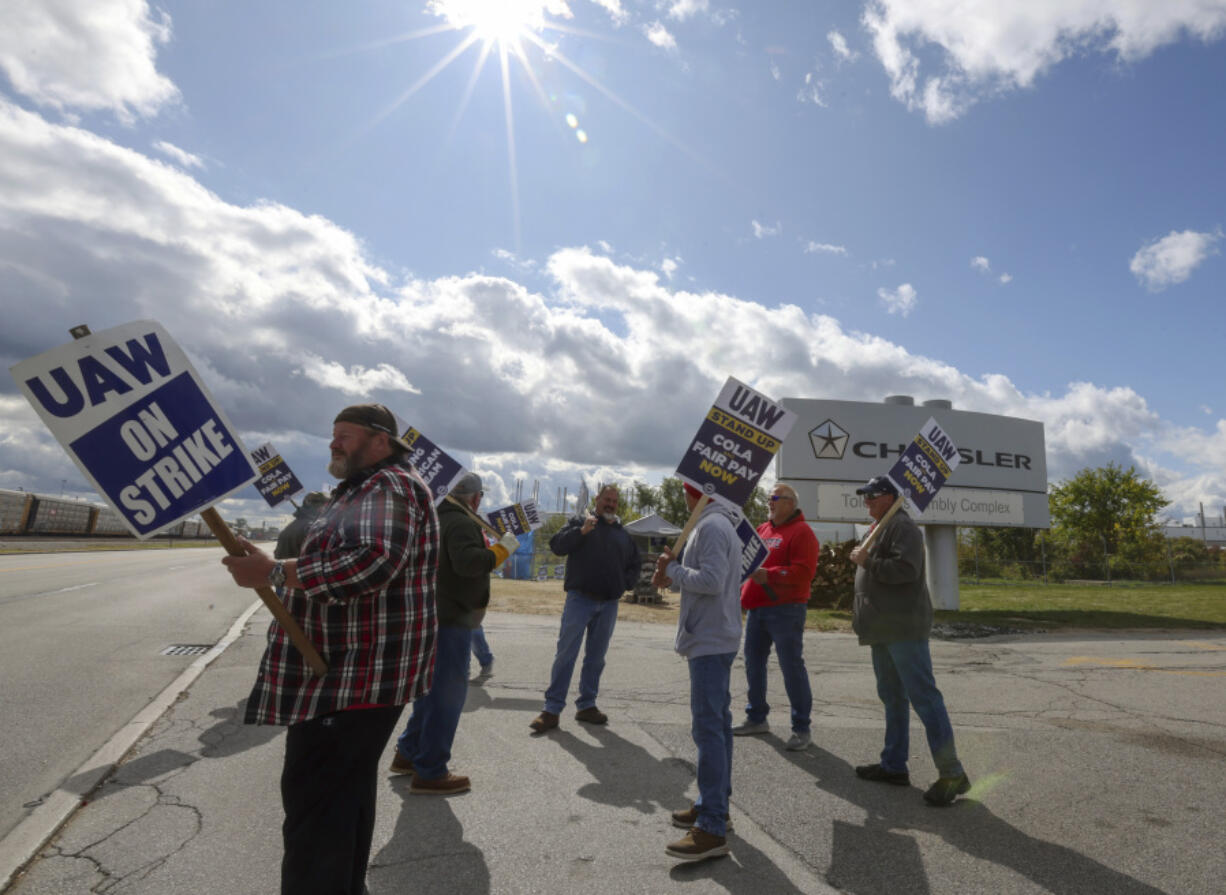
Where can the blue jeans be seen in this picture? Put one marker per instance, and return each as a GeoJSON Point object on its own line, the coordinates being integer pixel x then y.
{"type": "Point", "coordinates": [711, 727]}
{"type": "Point", "coordinates": [784, 626]}
{"type": "Point", "coordinates": [481, 648]}
{"type": "Point", "coordinates": [427, 738]}
{"type": "Point", "coordinates": [580, 615]}
{"type": "Point", "coordinates": [904, 677]}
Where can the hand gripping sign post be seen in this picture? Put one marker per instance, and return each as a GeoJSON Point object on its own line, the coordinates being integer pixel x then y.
{"type": "Point", "coordinates": [440, 472]}
{"type": "Point", "coordinates": [921, 471]}
{"type": "Point", "coordinates": [733, 446]}
{"type": "Point", "coordinates": [134, 416]}
{"type": "Point", "coordinates": [277, 481]}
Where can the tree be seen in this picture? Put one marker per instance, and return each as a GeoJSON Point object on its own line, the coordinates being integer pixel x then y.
{"type": "Point", "coordinates": [758, 507]}
{"type": "Point", "coordinates": [672, 501]}
{"type": "Point", "coordinates": [1108, 509]}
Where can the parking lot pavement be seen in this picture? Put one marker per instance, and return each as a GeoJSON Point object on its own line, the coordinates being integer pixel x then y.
{"type": "Point", "coordinates": [1097, 762]}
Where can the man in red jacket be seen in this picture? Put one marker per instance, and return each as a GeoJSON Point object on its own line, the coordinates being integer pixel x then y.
{"type": "Point", "coordinates": [776, 598]}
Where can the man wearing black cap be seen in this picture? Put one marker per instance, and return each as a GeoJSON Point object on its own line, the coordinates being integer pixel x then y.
{"type": "Point", "coordinates": [464, 566]}
{"type": "Point", "coordinates": [893, 615]}
{"type": "Point", "coordinates": [362, 589]}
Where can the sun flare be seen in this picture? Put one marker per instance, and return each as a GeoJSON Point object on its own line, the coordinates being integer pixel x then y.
{"type": "Point", "coordinates": [496, 21]}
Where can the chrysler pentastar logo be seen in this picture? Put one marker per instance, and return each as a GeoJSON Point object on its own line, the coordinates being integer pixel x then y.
{"type": "Point", "coordinates": [829, 440]}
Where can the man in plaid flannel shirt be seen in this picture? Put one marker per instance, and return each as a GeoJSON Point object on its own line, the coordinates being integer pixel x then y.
{"type": "Point", "coordinates": [363, 590]}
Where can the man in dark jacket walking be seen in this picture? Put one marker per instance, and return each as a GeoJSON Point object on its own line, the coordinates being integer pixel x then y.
{"type": "Point", "coordinates": [464, 567]}
{"type": "Point", "coordinates": [893, 615]}
{"type": "Point", "coordinates": [602, 563]}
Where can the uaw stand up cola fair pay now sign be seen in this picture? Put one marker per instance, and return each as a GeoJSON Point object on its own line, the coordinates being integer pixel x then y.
{"type": "Point", "coordinates": [733, 446]}
{"type": "Point", "coordinates": [921, 471]}
{"type": "Point", "coordinates": [134, 416]}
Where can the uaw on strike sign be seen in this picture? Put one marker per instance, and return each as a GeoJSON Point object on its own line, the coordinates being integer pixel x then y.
{"type": "Point", "coordinates": [735, 443]}
{"type": "Point", "coordinates": [134, 416]}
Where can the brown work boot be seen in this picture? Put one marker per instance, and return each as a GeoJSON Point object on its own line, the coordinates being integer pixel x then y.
{"type": "Point", "coordinates": [446, 785]}
{"type": "Point", "coordinates": [698, 845]}
{"type": "Point", "coordinates": [591, 715]}
{"type": "Point", "coordinates": [544, 721]}
{"type": "Point", "coordinates": [687, 817]}
{"type": "Point", "coordinates": [401, 765]}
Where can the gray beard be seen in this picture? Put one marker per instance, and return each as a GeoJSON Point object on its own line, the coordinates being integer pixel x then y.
{"type": "Point", "coordinates": [341, 468]}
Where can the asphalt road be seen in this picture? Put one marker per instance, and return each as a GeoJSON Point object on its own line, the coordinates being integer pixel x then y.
{"type": "Point", "coordinates": [1098, 761]}
{"type": "Point", "coordinates": [81, 636]}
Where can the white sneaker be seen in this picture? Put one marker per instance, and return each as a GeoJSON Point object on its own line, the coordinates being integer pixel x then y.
{"type": "Point", "coordinates": [798, 742]}
{"type": "Point", "coordinates": [750, 727]}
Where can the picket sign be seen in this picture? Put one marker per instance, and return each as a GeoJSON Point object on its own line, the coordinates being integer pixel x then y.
{"type": "Point", "coordinates": [920, 472]}
{"type": "Point", "coordinates": [216, 525]}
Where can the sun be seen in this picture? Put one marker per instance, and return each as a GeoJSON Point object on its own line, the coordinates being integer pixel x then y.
{"type": "Point", "coordinates": [503, 22]}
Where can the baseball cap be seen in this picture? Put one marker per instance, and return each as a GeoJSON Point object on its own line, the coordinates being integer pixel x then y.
{"type": "Point", "coordinates": [876, 486]}
{"type": "Point", "coordinates": [373, 416]}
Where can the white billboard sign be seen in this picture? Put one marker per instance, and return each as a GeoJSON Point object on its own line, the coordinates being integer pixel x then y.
{"type": "Point", "coordinates": [836, 446]}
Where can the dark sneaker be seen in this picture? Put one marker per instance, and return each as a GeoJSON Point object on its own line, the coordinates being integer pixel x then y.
{"type": "Point", "coordinates": [401, 765]}
{"type": "Point", "coordinates": [446, 785]}
{"type": "Point", "coordinates": [945, 790]}
{"type": "Point", "coordinates": [591, 715]}
{"type": "Point", "coordinates": [544, 721]}
{"type": "Point", "coordinates": [698, 845]}
{"type": "Point", "coordinates": [878, 774]}
{"type": "Point", "coordinates": [686, 818]}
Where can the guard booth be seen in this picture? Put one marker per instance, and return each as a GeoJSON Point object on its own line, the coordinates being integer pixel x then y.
{"type": "Point", "coordinates": [1001, 479]}
{"type": "Point", "coordinates": [651, 533]}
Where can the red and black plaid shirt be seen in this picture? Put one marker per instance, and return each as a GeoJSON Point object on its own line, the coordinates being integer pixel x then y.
{"type": "Point", "coordinates": [368, 569]}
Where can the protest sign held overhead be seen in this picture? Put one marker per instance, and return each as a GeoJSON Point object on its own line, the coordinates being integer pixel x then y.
{"type": "Point", "coordinates": [517, 519]}
{"type": "Point", "coordinates": [925, 465]}
{"type": "Point", "coordinates": [735, 443]}
{"type": "Point", "coordinates": [277, 481]}
{"type": "Point", "coordinates": [438, 469]}
{"type": "Point", "coordinates": [133, 414]}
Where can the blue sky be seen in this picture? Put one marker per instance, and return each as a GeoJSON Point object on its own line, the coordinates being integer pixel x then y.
{"type": "Point", "coordinates": [1016, 208]}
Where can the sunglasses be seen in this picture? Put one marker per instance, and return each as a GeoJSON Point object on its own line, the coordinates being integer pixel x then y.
{"type": "Point", "coordinates": [775, 497]}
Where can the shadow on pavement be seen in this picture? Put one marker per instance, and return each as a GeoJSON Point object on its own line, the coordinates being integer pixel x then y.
{"type": "Point", "coordinates": [427, 852]}
{"type": "Point", "coordinates": [627, 775]}
{"type": "Point", "coordinates": [230, 735]}
{"type": "Point", "coordinates": [873, 857]}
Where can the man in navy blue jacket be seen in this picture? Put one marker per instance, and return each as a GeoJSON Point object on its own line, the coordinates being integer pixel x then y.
{"type": "Point", "coordinates": [602, 563]}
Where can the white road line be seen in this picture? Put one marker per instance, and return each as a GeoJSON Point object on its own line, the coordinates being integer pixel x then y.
{"type": "Point", "coordinates": [21, 845]}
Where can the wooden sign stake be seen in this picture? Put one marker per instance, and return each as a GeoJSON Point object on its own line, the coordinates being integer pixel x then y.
{"type": "Point", "coordinates": [296, 635]}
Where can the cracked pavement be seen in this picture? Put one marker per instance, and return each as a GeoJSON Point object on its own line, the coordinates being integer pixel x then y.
{"type": "Point", "coordinates": [1097, 762]}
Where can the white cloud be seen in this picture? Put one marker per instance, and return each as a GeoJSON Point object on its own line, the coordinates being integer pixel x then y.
{"type": "Point", "coordinates": [763, 231]}
{"type": "Point", "coordinates": [182, 157]}
{"type": "Point", "coordinates": [811, 90]}
{"type": "Point", "coordinates": [287, 320]}
{"type": "Point", "coordinates": [824, 247]}
{"type": "Point", "coordinates": [615, 10]}
{"type": "Point", "coordinates": [775, 72]}
{"type": "Point", "coordinates": [660, 36]}
{"type": "Point", "coordinates": [984, 266]}
{"type": "Point", "coordinates": [669, 266]}
{"type": "Point", "coordinates": [1171, 259]}
{"type": "Point", "coordinates": [85, 55]}
{"type": "Point", "coordinates": [680, 10]}
{"type": "Point", "coordinates": [509, 257]}
{"type": "Point", "coordinates": [901, 301]}
{"type": "Point", "coordinates": [987, 47]}
{"type": "Point", "coordinates": [839, 44]}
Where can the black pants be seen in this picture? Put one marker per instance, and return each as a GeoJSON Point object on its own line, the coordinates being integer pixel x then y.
{"type": "Point", "coordinates": [328, 788]}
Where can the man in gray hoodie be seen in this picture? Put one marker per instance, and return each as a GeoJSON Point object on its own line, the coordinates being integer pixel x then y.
{"type": "Point", "coordinates": [708, 634]}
